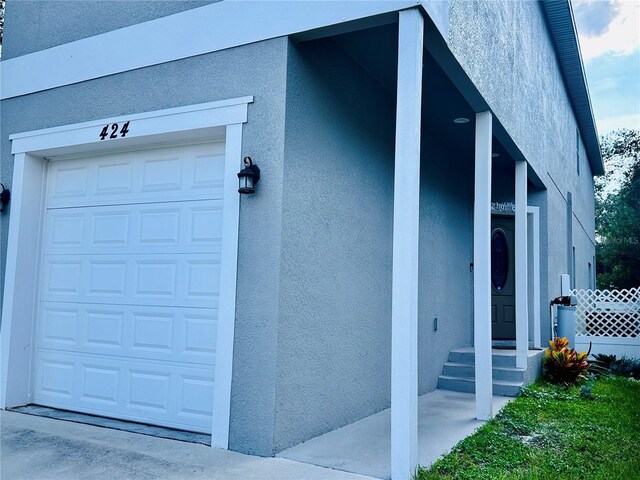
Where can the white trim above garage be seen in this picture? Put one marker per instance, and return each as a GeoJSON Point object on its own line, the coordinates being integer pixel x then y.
{"type": "Point", "coordinates": [210, 122]}
{"type": "Point", "coordinates": [191, 123]}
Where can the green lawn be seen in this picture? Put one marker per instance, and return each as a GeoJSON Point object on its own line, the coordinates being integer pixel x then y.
{"type": "Point", "coordinates": [550, 433]}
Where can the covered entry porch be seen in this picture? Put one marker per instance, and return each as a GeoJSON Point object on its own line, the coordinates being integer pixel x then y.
{"type": "Point", "coordinates": [364, 447]}
{"type": "Point", "coordinates": [447, 143]}
{"type": "Point", "coordinates": [490, 141]}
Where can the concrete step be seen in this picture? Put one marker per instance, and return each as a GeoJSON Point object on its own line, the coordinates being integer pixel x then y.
{"type": "Point", "coordinates": [459, 372]}
{"type": "Point", "coordinates": [500, 358]}
{"type": "Point", "coordinates": [467, 385]}
{"type": "Point", "coordinates": [464, 370]}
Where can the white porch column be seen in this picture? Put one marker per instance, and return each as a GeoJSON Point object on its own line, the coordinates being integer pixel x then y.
{"type": "Point", "coordinates": [522, 312]}
{"type": "Point", "coordinates": [533, 273]}
{"type": "Point", "coordinates": [406, 197]}
{"type": "Point", "coordinates": [482, 267]}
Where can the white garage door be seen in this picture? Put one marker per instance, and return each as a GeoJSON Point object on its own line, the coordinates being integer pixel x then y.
{"type": "Point", "coordinates": [129, 285]}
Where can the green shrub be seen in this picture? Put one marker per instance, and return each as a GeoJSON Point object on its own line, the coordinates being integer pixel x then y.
{"type": "Point", "coordinates": [626, 367]}
{"type": "Point", "coordinates": [603, 364]}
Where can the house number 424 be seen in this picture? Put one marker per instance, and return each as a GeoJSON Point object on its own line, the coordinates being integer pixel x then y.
{"type": "Point", "coordinates": [111, 131]}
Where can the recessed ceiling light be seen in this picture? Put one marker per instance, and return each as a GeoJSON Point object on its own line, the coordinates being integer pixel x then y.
{"type": "Point", "coordinates": [494, 155]}
{"type": "Point", "coordinates": [460, 120]}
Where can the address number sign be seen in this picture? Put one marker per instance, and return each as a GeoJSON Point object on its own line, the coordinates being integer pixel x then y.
{"type": "Point", "coordinates": [111, 131]}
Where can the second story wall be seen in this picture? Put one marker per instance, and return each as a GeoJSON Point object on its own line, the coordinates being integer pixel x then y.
{"type": "Point", "coordinates": [507, 50]}
{"type": "Point", "coordinates": [34, 25]}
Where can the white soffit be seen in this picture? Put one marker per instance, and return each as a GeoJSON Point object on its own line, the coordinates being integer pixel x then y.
{"type": "Point", "coordinates": [206, 29]}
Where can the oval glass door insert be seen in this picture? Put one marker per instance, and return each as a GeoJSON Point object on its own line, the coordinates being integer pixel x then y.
{"type": "Point", "coordinates": [499, 260]}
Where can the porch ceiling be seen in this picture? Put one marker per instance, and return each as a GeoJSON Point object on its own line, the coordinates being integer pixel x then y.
{"type": "Point", "coordinates": [376, 50]}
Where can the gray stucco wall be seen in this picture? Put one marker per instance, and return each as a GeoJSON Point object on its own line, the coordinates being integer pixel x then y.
{"type": "Point", "coordinates": [335, 287]}
{"type": "Point", "coordinates": [334, 335]}
{"type": "Point", "coordinates": [221, 75]}
{"type": "Point", "coordinates": [506, 49]}
{"type": "Point", "coordinates": [446, 252]}
{"type": "Point", "coordinates": [548, 289]}
{"type": "Point", "coordinates": [583, 222]}
{"type": "Point", "coordinates": [33, 25]}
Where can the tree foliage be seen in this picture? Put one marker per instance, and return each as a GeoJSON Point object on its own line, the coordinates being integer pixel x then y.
{"type": "Point", "coordinates": [618, 211]}
{"type": "Point", "coordinates": [1, 23]}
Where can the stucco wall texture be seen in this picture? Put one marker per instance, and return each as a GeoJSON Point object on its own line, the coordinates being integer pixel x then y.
{"type": "Point", "coordinates": [37, 24]}
{"type": "Point", "coordinates": [506, 49]}
{"type": "Point", "coordinates": [335, 276]}
{"type": "Point", "coordinates": [334, 332]}
{"type": "Point", "coordinates": [446, 251]}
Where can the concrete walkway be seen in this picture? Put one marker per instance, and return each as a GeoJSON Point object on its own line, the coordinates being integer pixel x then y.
{"type": "Point", "coordinates": [48, 449]}
{"type": "Point", "coordinates": [364, 447]}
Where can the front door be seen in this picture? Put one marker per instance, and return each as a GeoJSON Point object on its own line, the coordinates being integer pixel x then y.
{"type": "Point", "coordinates": [503, 301]}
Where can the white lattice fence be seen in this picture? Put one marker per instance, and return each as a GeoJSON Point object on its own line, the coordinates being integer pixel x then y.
{"type": "Point", "coordinates": [608, 313]}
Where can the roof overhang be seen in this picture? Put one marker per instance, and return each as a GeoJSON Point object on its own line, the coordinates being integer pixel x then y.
{"type": "Point", "coordinates": [561, 22]}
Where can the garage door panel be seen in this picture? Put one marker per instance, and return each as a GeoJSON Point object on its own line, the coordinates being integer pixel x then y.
{"type": "Point", "coordinates": [190, 280]}
{"type": "Point", "coordinates": [169, 227]}
{"type": "Point", "coordinates": [59, 326]}
{"type": "Point", "coordinates": [67, 181]}
{"type": "Point", "coordinates": [102, 329]}
{"type": "Point", "coordinates": [140, 177]}
{"type": "Point", "coordinates": [129, 285]}
{"type": "Point", "coordinates": [178, 335]}
{"type": "Point", "coordinates": [99, 383]}
{"type": "Point", "coordinates": [145, 392]}
{"type": "Point", "coordinates": [196, 398]}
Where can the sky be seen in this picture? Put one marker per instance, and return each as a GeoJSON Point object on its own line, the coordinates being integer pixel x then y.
{"type": "Point", "coordinates": [609, 33]}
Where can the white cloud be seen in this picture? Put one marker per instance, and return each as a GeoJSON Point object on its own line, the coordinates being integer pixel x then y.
{"type": "Point", "coordinates": [622, 35]}
{"type": "Point", "coordinates": [608, 124]}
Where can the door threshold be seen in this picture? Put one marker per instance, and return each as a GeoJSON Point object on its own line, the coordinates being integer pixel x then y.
{"type": "Point", "coordinates": [114, 424]}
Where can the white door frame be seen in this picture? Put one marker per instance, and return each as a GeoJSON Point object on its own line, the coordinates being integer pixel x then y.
{"type": "Point", "coordinates": [533, 273]}
{"type": "Point", "coordinates": [207, 121]}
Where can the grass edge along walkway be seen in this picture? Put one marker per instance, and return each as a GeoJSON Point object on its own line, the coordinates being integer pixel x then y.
{"type": "Point", "coordinates": [547, 432]}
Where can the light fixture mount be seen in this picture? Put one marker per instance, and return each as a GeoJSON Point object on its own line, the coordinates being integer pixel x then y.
{"type": "Point", "coordinates": [5, 196]}
{"type": "Point", "coordinates": [248, 177]}
{"type": "Point", "coordinates": [461, 120]}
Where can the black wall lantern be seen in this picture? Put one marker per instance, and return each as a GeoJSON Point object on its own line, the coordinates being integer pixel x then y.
{"type": "Point", "coordinates": [5, 196]}
{"type": "Point", "coordinates": [248, 177]}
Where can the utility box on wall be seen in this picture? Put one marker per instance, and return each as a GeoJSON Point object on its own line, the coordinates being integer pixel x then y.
{"type": "Point", "coordinates": [567, 324]}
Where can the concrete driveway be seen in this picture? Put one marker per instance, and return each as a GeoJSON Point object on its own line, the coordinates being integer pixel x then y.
{"type": "Point", "coordinates": [34, 447]}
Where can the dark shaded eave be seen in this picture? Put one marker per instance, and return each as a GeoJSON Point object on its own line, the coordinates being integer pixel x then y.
{"type": "Point", "coordinates": [559, 15]}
